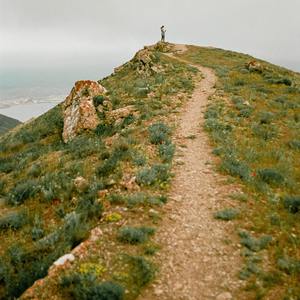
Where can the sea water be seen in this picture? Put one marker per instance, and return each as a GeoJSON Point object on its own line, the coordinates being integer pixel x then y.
{"type": "Point", "coordinates": [30, 89]}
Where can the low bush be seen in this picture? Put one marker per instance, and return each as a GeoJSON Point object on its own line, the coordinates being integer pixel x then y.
{"type": "Point", "coordinates": [270, 176]}
{"type": "Point", "coordinates": [22, 191]}
{"type": "Point", "coordinates": [140, 198]}
{"type": "Point", "coordinates": [35, 170]}
{"type": "Point", "coordinates": [98, 100]}
{"type": "Point", "coordinates": [159, 133]}
{"type": "Point", "coordinates": [166, 152]}
{"type": "Point", "coordinates": [289, 265]}
{"type": "Point", "coordinates": [7, 165]}
{"type": "Point", "coordinates": [235, 167]}
{"type": "Point", "coordinates": [83, 146]}
{"type": "Point", "coordinates": [265, 131]}
{"type": "Point", "coordinates": [281, 80]}
{"type": "Point", "coordinates": [142, 270]}
{"type": "Point", "coordinates": [56, 185]}
{"type": "Point", "coordinates": [104, 130]}
{"type": "Point", "coordinates": [86, 287]}
{"type": "Point", "coordinates": [294, 144]}
{"type": "Point", "coordinates": [292, 203]}
{"type": "Point", "coordinates": [120, 152]}
{"type": "Point", "coordinates": [254, 244]}
{"type": "Point", "coordinates": [13, 220]}
{"type": "Point", "coordinates": [227, 214]}
{"type": "Point", "coordinates": [156, 174]}
{"type": "Point", "coordinates": [265, 117]}
{"type": "Point", "coordinates": [139, 159]}
{"type": "Point", "coordinates": [135, 235]}
{"type": "Point", "coordinates": [2, 186]}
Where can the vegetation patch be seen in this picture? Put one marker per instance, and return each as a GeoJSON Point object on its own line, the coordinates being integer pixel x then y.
{"type": "Point", "coordinates": [227, 214]}
{"type": "Point", "coordinates": [135, 235]}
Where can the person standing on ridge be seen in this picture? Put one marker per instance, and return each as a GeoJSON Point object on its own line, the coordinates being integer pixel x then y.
{"type": "Point", "coordinates": [163, 33]}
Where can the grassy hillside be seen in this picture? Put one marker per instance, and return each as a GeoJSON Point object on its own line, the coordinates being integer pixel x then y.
{"type": "Point", "coordinates": [42, 213]}
{"type": "Point", "coordinates": [7, 123]}
{"type": "Point", "coordinates": [254, 124]}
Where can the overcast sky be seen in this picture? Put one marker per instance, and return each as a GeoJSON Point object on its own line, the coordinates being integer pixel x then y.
{"type": "Point", "coordinates": [41, 32]}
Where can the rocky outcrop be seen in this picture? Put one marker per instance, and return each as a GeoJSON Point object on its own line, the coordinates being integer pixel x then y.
{"type": "Point", "coordinates": [117, 115]}
{"type": "Point", "coordinates": [145, 61]}
{"type": "Point", "coordinates": [254, 66]}
{"type": "Point", "coordinates": [79, 111]}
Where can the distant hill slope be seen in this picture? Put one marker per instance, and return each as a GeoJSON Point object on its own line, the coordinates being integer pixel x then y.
{"type": "Point", "coordinates": [7, 123]}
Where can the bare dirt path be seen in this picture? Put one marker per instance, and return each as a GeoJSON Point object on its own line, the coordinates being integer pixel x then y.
{"type": "Point", "coordinates": [200, 258]}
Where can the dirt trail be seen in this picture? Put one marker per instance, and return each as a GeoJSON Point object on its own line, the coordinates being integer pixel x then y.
{"type": "Point", "coordinates": [199, 257]}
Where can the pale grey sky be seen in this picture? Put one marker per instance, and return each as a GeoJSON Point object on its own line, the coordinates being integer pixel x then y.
{"type": "Point", "coordinates": [36, 33]}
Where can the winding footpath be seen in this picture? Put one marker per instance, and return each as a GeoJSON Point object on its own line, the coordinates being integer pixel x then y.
{"type": "Point", "coordinates": [200, 257]}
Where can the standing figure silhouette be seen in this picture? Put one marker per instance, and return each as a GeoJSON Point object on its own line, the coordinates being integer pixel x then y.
{"type": "Point", "coordinates": [163, 33]}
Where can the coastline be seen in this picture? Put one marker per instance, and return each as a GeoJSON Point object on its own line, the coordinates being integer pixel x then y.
{"type": "Point", "coordinates": [25, 111]}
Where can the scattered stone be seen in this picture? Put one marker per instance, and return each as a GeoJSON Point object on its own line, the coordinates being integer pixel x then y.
{"type": "Point", "coordinates": [158, 292]}
{"type": "Point", "coordinates": [224, 296]}
{"type": "Point", "coordinates": [254, 66]}
{"type": "Point", "coordinates": [129, 183]}
{"type": "Point", "coordinates": [102, 193]}
{"type": "Point", "coordinates": [79, 111]}
{"type": "Point", "coordinates": [63, 259]}
{"type": "Point", "coordinates": [95, 234]}
{"type": "Point", "coordinates": [81, 184]}
{"type": "Point", "coordinates": [117, 115]}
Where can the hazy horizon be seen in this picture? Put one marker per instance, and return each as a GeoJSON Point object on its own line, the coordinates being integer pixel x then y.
{"type": "Point", "coordinates": [46, 46]}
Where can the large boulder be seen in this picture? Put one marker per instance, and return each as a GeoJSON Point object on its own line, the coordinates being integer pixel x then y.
{"type": "Point", "coordinates": [79, 111]}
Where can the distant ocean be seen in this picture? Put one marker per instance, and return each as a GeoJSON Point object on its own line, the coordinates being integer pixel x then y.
{"type": "Point", "coordinates": [23, 96]}
{"type": "Point", "coordinates": [30, 89]}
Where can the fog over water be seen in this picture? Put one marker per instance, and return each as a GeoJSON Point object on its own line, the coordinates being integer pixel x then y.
{"type": "Point", "coordinates": [47, 45]}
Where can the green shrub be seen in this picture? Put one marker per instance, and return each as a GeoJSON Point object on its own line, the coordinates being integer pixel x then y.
{"type": "Point", "coordinates": [227, 214]}
{"type": "Point", "coordinates": [166, 152]}
{"type": "Point", "coordinates": [13, 220]}
{"type": "Point", "coordinates": [37, 233]}
{"type": "Point", "coordinates": [235, 167]}
{"type": "Point", "coordinates": [86, 287]}
{"type": "Point", "coordinates": [98, 100]}
{"type": "Point", "coordinates": [137, 199]}
{"type": "Point", "coordinates": [84, 146]}
{"type": "Point", "coordinates": [254, 244]}
{"type": "Point", "coordinates": [120, 152]}
{"type": "Point", "coordinates": [22, 191]}
{"type": "Point", "coordinates": [281, 80]}
{"type": "Point", "coordinates": [159, 133]}
{"type": "Point", "coordinates": [56, 185]}
{"type": "Point", "coordinates": [142, 270]}
{"type": "Point", "coordinates": [23, 266]}
{"type": "Point", "coordinates": [156, 174]}
{"type": "Point", "coordinates": [292, 204]}
{"type": "Point", "coordinates": [2, 186]}
{"type": "Point", "coordinates": [271, 176]}
{"type": "Point", "coordinates": [139, 159]}
{"type": "Point", "coordinates": [35, 170]}
{"type": "Point", "coordinates": [265, 117]}
{"type": "Point", "coordinates": [294, 144]}
{"type": "Point", "coordinates": [246, 112]}
{"type": "Point", "coordinates": [265, 131]}
{"type": "Point", "coordinates": [104, 130]}
{"type": "Point", "coordinates": [134, 235]}
{"type": "Point", "coordinates": [289, 265]}
{"type": "Point", "coordinates": [6, 165]}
